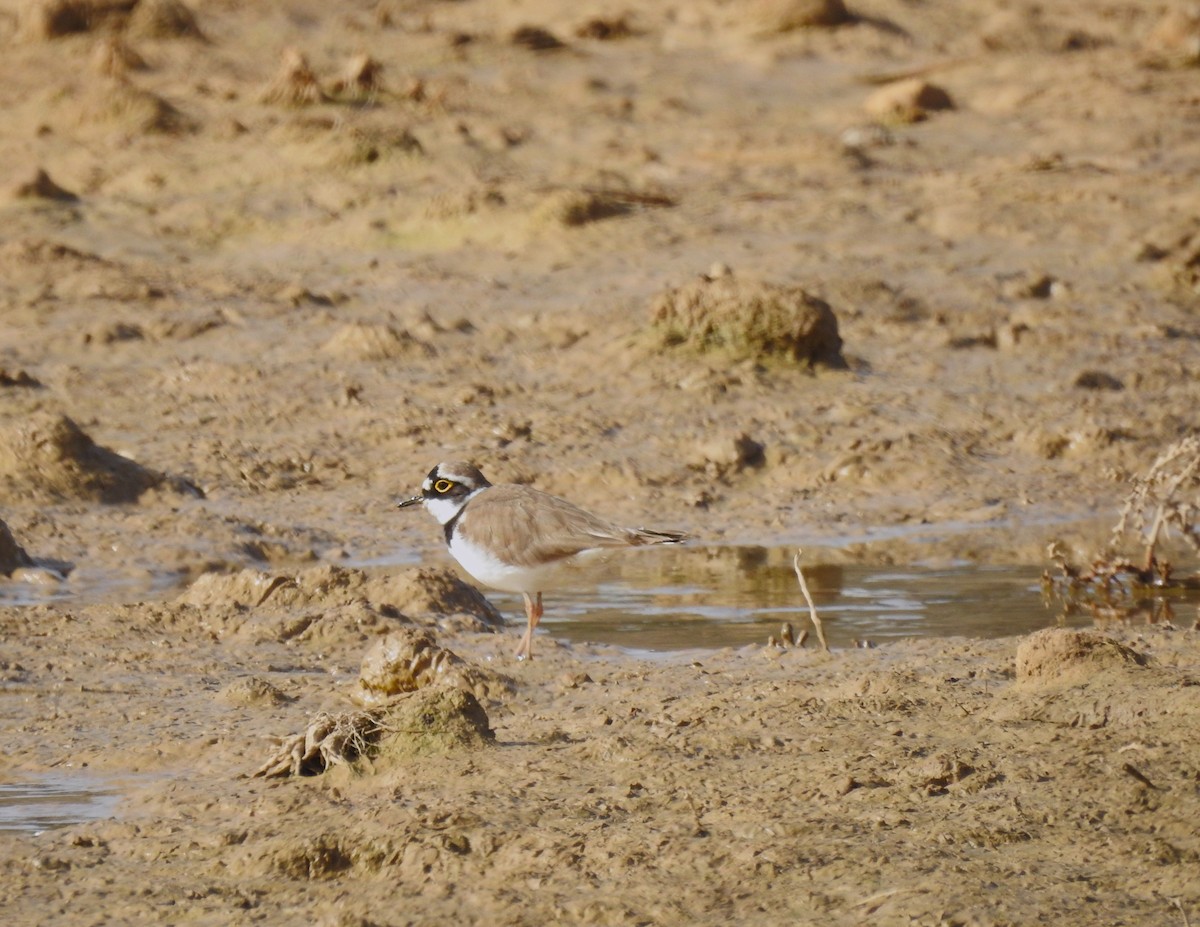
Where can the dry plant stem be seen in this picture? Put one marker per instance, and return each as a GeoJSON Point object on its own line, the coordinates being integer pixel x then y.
{"type": "Point", "coordinates": [812, 609]}
{"type": "Point", "coordinates": [1152, 539]}
{"type": "Point", "coordinates": [1168, 489]}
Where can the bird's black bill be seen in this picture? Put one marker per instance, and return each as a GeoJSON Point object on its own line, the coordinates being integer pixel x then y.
{"type": "Point", "coordinates": [415, 500]}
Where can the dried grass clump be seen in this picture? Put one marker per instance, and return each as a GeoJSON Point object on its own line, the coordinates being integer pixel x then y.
{"type": "Point", "coordinates": [362, 81]}
{"type": "Point", "coordinates": [366, 341]}
{"type": "Point", "coordinates": [329, 740]}
{"type": "Point", "coordinates": [138, 110]}
{"type": "Point", "coordinates": [748, 318]}
{"type": "Point", "coordinates": [295, 84]}
{"type": "Point", "coordinates": [416, 724]}
{"type": "Point", "coordinates": [1165, 499]}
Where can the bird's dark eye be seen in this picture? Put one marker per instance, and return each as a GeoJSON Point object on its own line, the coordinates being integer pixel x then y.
{"type": "Point", "coordinates": [442, 486]}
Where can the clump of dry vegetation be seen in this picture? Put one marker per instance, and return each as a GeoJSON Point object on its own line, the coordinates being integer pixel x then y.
{"type": "Point", "coordinates": [328, 740]}
{"type": "Point", "coordinates": [434, 720]}
{"type": "Point", "coordinates": [747, 318]}
{"type": "Point", "coordinates": [1130, 574]}
{"type": "Point", "coordinates": [361, 82]}
{"type": "Point", "coordinates": [295, 84]}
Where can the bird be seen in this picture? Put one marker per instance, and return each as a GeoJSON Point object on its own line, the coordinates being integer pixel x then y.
{"type": "Point", "coordinates": [516, 538]}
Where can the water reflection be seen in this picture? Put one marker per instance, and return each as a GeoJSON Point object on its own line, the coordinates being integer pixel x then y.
{"type": "Point", "coordinates": [54, 800]}
{"type": "Point", "coordinates": [683, 598]}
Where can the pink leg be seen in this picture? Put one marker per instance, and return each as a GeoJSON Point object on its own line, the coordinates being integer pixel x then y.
{"type": "Point", "coordinates": [533, 614]}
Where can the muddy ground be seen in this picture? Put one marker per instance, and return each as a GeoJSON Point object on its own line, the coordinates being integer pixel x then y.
{"type": "Point", "coordinates": [262, 266]}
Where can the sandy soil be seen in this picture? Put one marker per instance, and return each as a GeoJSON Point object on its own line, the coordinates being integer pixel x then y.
{"type": "Point", "coordinates": [263, 265]}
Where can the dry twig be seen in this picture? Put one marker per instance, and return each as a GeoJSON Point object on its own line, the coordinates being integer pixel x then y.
{"type": "Point", "coordinates": [812, 609]}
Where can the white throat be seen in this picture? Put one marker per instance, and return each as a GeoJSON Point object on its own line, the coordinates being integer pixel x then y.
{"type": "Point", "coordinates": [445, 509]}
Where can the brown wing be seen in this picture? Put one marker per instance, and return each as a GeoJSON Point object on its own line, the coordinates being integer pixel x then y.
{"type": "Point", "coordinates": [532, 527]}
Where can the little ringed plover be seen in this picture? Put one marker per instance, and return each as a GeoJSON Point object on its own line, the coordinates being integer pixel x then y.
{"type": "Point", "coordinates": [518, 539]}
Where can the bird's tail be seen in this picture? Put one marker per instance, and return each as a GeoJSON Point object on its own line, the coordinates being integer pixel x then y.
{"type": "Point", "coordinates": [649, 536]}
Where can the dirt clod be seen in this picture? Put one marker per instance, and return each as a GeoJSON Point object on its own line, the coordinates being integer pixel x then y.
{"type": "Point", "coordinates": [748, 318]}
{"type": "Point", "coordinates": [12, 554]}
{"type": "Point", "coordinates": [48, 454]}
{"type": "Point", "coordinates": [907, 101]}
{"type": "Point", "coordinates": [410, 659]}
{"type": "Point", "coordinates": [1059, 656]}
{"type": "Point", "coordinates": [43, 187]}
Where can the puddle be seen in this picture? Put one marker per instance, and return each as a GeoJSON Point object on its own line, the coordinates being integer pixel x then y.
{"type": "Point", "coordinates": [682, 598]}
{"type": "Point", "coordinates": [54, 800]}
{"type": "Point", "coordinates": [690, 598]}
{"type": "Point", "coordinates": [87, 585]}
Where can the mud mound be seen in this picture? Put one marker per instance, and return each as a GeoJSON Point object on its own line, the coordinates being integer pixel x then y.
{"type": "Point", "coordinates": [435, 592]}
{"type": "Point", "coordinates": [49, 455]}
{"type": "Point", "coordinates": [327, 586]}
{"type": "Point", "coordinates": [408, 660]}
{"type": "Point", "coordinates": [41, 186]}
{"type": "Point", "coordinates": [43, 20]}
{"type": "Point", "coordinates": [252, 690]}
{"type": "Point", "coordinates": [429, 721]}
{"type": "Point", "coordinates": [115, 58]}
{"type": "Point", "coordinates": [435, 720]}
{"type": "Point", "coordinates": [1056, 656]}
{"type": "Point", "coordinates": [1087, 680]}
{"type": "Point", "coordinates": [577, 207]}
{"type": "Point", "coordinates": [773, 16]}
{"type": "Point", "coordinates": [362, 341]}
{"type": "Point", "coordinates": [748, 318]}
{"type": "Point", "coordinates": [907, 101]}
{"type": "Point", "coordinates": [162, 19]}
{"type": "Point", "coordinates": [40, 267]}
{"type": "Point", "coordinates": [12, 554]}
{"type": "Point", "coordinates": [329, 603]}
{"type": "Point", "coordinates": [324, 605]}
{"type": "Point", "coordinates": [135, 110]}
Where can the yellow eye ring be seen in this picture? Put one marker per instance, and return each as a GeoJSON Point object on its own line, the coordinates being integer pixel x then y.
{"type": "Point", "coordinates": [442, 486]}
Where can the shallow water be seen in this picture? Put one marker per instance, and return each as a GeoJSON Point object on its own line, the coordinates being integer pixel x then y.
{"type": "Point", "coordinates": [682, 598]}
{"type": "Point", "coordinates": [688, 598]}
{"type": "Point", "coordinates": [54, 799]}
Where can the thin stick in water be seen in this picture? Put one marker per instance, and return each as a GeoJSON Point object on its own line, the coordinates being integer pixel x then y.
{"type": "Point", "coordinates": [812, 609]}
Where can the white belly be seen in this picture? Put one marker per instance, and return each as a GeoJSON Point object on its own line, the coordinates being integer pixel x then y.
{"type": "Point", "coordinates": [486, 569]}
